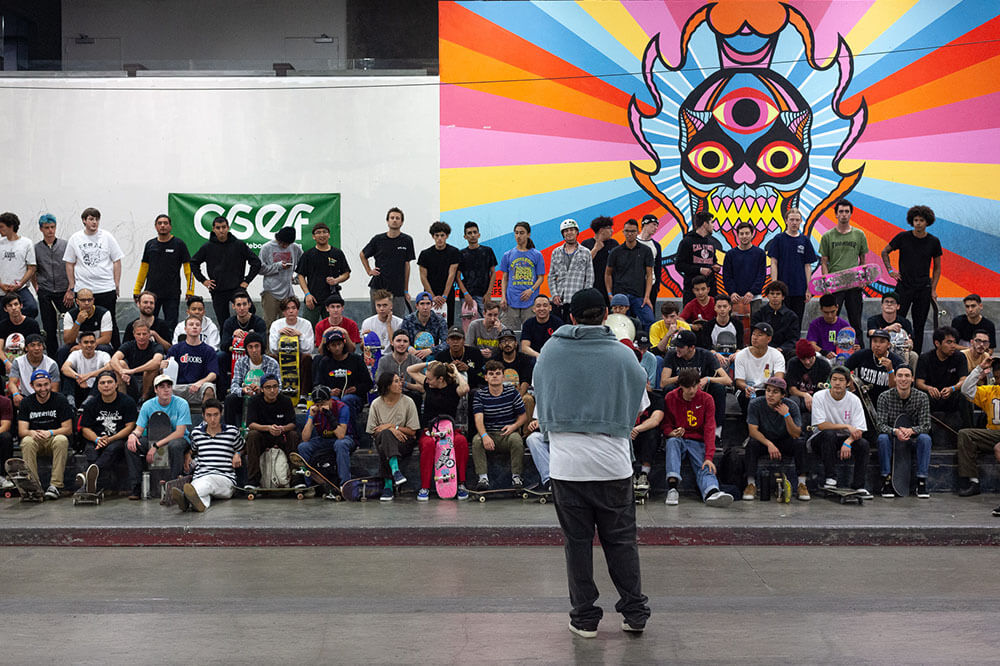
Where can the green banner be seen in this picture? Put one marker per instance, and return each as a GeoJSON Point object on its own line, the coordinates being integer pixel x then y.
{"type": "Point", "coordinates": [253, 218]}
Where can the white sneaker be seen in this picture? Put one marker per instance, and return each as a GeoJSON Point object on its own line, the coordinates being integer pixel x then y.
{"type": "Point", "coordinates": [865, 494]}
{"type": "Point", "coordinates": [672, 497]}
{"type": "Point", "coordinates": [51, 493]}
{"type": "Point", "coordinates": [585, 633]}
{"type": "Point", "coordinates": [830, 484]}
{"type": "Point", "coordinates": [6, 483]}
{"type": "Point", "coordinates": [719, 499]}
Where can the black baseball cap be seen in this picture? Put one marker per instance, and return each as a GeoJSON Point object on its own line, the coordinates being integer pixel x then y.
{"type": "Point", "coordinates": [456, 332]}
{"type": "Point", "coordinates": [764, 327]}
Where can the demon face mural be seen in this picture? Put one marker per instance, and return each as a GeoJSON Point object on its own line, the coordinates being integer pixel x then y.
{"type": "Point", "coordinates": [749, 124]}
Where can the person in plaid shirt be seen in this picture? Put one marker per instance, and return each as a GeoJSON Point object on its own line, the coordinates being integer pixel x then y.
{"type": "Point", "coordinates": [892, 403]}
{"type": "Point", "coordinates": [570, 269]}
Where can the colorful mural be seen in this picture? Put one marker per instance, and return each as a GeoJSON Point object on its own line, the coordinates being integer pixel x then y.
{"type": "Point", "coordinates": [744, 108]}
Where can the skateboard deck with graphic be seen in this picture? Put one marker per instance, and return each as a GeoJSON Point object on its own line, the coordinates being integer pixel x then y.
{"type": "Point", "coordinates": [372, 355]}
{"type": "Point", "coordinates": [362, 489]}
{"type": "Point", "coordinates": [445, 479]}
{"type": "Point", "coordinates": [237, 350]}
{"type": "Point", "coordinates": [288, 362]}
{"type": "Point", "coordinates": [846, 338]}
{"type": "Point", "coordinates": [902, 458]}
{"type": "Point", "coordinates": [849, 278]}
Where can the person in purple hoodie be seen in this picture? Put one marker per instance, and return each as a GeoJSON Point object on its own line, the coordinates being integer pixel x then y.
{"type": "Point", "coordinates": [823, 329]}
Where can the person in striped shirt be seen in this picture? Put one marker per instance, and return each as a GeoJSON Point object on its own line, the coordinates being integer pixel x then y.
{"type": "Point", "coordinates": [216, 449]}
{"type": "Point", "coordinates": [499, 414]}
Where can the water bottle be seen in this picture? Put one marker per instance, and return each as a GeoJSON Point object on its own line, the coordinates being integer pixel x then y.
{"type": "Point", "coordinates": [145, 486]}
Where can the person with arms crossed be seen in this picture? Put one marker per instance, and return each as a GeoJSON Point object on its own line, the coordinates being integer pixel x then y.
{"type": "Point", "coordinates": [784, 322]}
{"type": "Point", "coordinates": [590, 458]}
{"type": "Point", "coordinates": [50, 281]}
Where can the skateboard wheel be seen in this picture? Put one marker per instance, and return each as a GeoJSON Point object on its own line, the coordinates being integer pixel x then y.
{"type": "Point", "coordinates": [300, 496]}
{"type": "Point", "coordinates": [525, 496]}
{"type": "Point", "coordinates": [8, 494]}
{"type": "Point", "coordinates": [250, 497]}
{"type": "Point", "coordinates": [482, 498]}
{"type": "Point", "coordinates": [542, 501]}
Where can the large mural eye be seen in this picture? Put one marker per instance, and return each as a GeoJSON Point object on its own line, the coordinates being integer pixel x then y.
{"type": "Point", "coordinates": [778, 159]}
{"type": "Point", "coordinates": [745, 111]}
{"type": "Point", "coordinates": [710, 159]}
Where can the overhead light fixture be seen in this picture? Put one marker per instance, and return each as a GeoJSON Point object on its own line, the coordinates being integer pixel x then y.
{"type": "Point", "coordinates": [84, 39]}
{"type": "Point", "coordinates": [323, 39]}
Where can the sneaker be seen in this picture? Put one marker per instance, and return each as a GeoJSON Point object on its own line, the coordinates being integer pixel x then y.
{"type": "Point", "coordinates": [180, 500]}
{"type": "Point", "coordinates": [423, 495]}
{"type": "Point", "coordinates": [865, 495]}
{"type": "Point", "coordinates": [299, 486]}
{"type": "Point", "coordinates": [750, 492]}
{"type": "Point", "coordinates": [887, 490]}
{"type": "Point", "coordinates": [81, 481]}
{"type": "Point", "coordinates": [398, 479]}
{"type": "Point", "coordinates": [484, 484]}
{"type": "Point", "coordinates": [193, 499]}
{"type": "Point", "coordinates": [922, 489]}
{"type": "Point", "coordinates": [6, 483]}
{"type": "Point", "coordinates": [719, 499]}
{"type": "Point", "coordinates": [673, 497]}
{"type": "Point", "coordinates": [996, 512]}
{"type": "Point", "coordinates": [642, 481]}
{"type": "Point", "coordinates": [584, 633]}
{"type": "Point", "coordinates": [830, 484]}
{"type": "Point", "coordinates": [633, 628]}
{"type": "Point", "coordinates": [386, 495]}
{"type": "Point", "coordinates": [516, 482]}
{"type": "Point", "coordinates": [51, 493]}
{"type": "Point", "coordinates": [463, 493]}
{"type": "Point", "coordinates": [969, 490]}
{"type": "Point", "coordinates": [803, 493]}
{"type": "Point", "coordinates": [93, 471]}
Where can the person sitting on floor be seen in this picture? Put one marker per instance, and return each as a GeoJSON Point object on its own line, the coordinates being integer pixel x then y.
{"type": "Point", "coordinates": [393, 424]}
{"type": "Point", "coordinates": [255, 360]}
{"type": "Point", "coordinates": [689, 426]}
{"type": "Point", "coordinates": [105, 425]}
{"type": "Point", "coordinates": [499, 414]}
{"type": "Point", "coordinates": [216, 447]}
{"type": "Point", "coordinates": [443, 388]}
{"type": "Point", "coordinates": [775, 426]}
{"type": "Point", "coordinates": [45, 423]}
{"type": "Point", "coordinates": [893, 403]}
{"type": "Point", "coordinates": [142, 450]}
{"type": "Point", "coordinates": [840, 423]}
{"type": "Point", "coordinates": [197, 365]}
{"type": "Point", "coordinates": [270, 424]}
{"type": "Point", "coordinates": [329, 427]}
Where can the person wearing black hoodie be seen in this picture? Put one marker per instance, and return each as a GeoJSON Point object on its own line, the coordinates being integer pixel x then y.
{"type": "Point", "coordinates": [226, 258]}
{"type": "Point", "coordinates": [696, 255]}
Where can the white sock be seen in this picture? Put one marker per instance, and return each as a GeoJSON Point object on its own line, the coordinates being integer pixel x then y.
{"type": "Point", "coordinates": [645, 469]}
{"type": "Point", "coordinates": [830, 482]}
{"type": "Point", "coordinates": [802, 480]}
{"type": "Point", "coordinates": [973, 479]}
{"type": "Point", "coordinates": [751, 481]}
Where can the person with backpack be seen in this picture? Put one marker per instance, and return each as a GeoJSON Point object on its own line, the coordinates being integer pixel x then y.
{"type": "Point", "coordinates": [271, 424]}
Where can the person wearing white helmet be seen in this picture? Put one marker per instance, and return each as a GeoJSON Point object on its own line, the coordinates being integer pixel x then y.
{"type": "Point", "coordinates": [570, 269]}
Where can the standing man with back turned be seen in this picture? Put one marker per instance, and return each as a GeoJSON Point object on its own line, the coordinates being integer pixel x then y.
{"type": "Point", "coordinates": [591, 457]}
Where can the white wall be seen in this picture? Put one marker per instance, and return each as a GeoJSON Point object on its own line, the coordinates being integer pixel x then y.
{"type": "Point", "coordinates": [262, 31]}
{"type": "Point", "coordinates": [122, 145]}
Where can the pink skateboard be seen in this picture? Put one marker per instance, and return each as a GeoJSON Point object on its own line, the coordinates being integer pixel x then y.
{"type": "Point", "coordinates": [859, 276]}
{"type": "Point", "coordinates": [445, 479]}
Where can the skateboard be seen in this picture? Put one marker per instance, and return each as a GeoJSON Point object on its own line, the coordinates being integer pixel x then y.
{"type": "Point", "coordinates": [545, 496]}
{"type": "Point", "coordinates": [362, 489]}
{"type": "Point", "coordinates": [157, 428]}
{"type": "Point", "coordinates": [424, 340]}
{"type": "Point", "coordinates": [469, 313]}
{"type": "Point", "coordinates": [846, 338]}
{"type": "Point", "coordinates": [445, 479]}
{"type": "Point", "coordinates": [288, 361]}
{"type": "Point", "coordinates": [902, 458]}
{"type": "Point", "coordinates": [725, 344]}
{"type": "Point", "coordinates": [483, 495]}
{"type": "Point", "coordinates": [252, 379]}
{"type": "Point", "coordinates": [332, 490]}
{"type": "Point", "coordinates": [621, 326]}
{"type": "Point", "coordinates": [27, 485]}
{"type": "Point", "coordinates": [166, 498]}
{"type": "Point", "coordinates": [640, 495]}
{"type": "Point", "coordinates": [237, 350]}
{"type": "Point", "coordinates": [782, 487]}
{"type": "Point", "coordinates": [14, 346]}
{"type": "Point", "coordinates": [372, 354]}
{"type": "Point", "coordinates": [300, 493]}
{"type": "Point", "coordinates": [842, 495]}
{"type": "Point", "coordinates": [866, 401]}
{"type": "Point", "coordinates": [88, 493]}
{"type": "Point", "coordinates": [849, 278]}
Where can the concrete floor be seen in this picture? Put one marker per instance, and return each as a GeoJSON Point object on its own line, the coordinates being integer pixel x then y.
{"type": "Point", "coordinates": [493, 605]}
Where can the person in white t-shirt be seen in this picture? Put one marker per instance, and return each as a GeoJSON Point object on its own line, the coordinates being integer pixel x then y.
{"type": "Point", "coordinates": [839, 420]}
{"type": "Point", "coordinates": [83, 366]}
{"type": "Point", "coordinates": [17, 265]}
{"type": "Point", "coordinates": [293, 325]}
{"type": "Point", "coordinates": [383, 323]}
{"type": "Point", "coordinates": [754, 365]}
{"type": "Point", "coordinates": [94, 261]}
